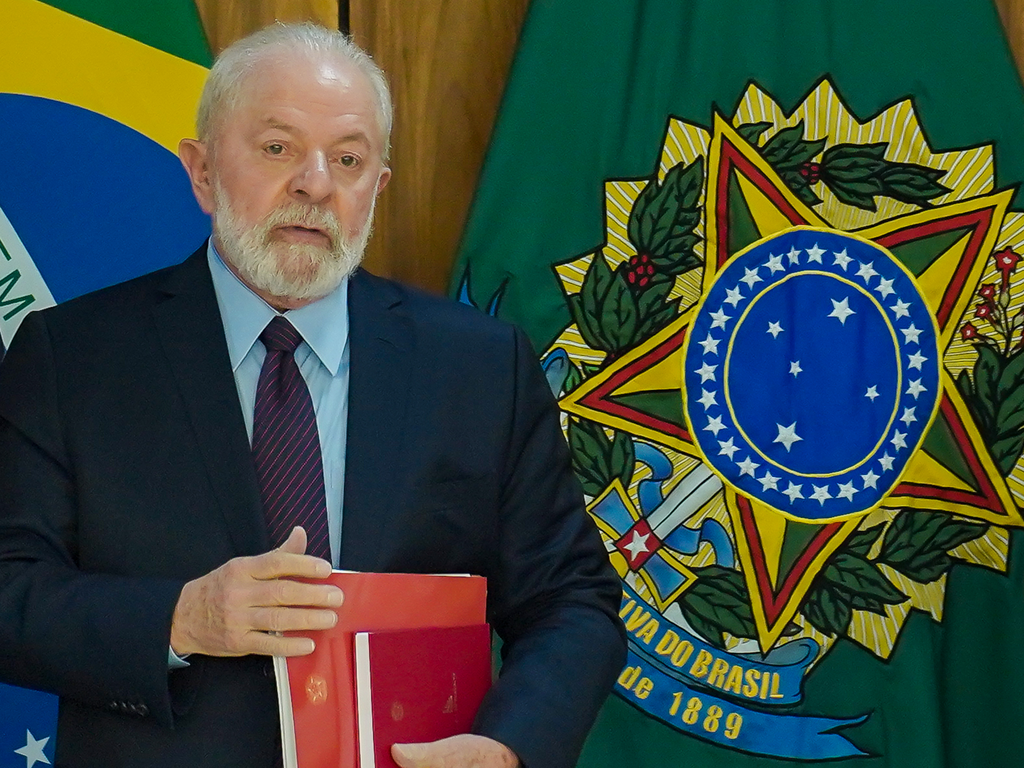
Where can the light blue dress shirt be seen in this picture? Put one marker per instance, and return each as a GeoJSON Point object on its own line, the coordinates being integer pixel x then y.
{"type": "Point", "coordinates": [323, 360]}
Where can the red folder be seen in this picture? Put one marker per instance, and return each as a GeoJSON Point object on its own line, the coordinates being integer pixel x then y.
{"type": "Point", "coordinates": [418, 685]}
{"type": "Point", "coordinates": [316, 693]}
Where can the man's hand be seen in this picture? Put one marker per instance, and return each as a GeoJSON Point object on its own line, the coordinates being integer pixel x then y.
{"type": "Point", "coordinates": [463, 751]}
{"type": "Point", "coordinates": [231, 611]}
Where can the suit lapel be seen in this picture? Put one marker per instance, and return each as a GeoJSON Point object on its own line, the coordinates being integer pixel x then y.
{"type": "Point", "coordinates": [190, 329]}
{"type": "Point", "coordinates": [381, 342]}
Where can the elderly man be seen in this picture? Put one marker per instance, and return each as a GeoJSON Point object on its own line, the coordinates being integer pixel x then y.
{"type": "Point", "coordinates": [174, 449]}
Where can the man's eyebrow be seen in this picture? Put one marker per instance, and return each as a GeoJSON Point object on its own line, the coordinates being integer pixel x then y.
{"type": "Point", "coordinates": [354, 136]}
{"type": "Point", "coordinates": [270, 122]}
{"type": "Point", "coordinates": [279, 125]}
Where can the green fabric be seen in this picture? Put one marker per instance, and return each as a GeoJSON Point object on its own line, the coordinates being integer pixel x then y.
{"type": "Point", "coordinates": [594, 82]}
{"type": "Point", "coordinates": [170, 25]}
{"type": "Point", "coordinates": [591, 90]}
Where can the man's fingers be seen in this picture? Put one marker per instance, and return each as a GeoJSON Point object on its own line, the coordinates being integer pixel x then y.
{"type": "Point", "coordinates": [467, 750]}
{"type": "Point", "coordinates": [279, 563]}
{"type": "Point", "coordinates": [276, 592]}
{"type": "Point", "coordinates": [263, 644]}
{"type": "Point", "coordinates": [283, 619]}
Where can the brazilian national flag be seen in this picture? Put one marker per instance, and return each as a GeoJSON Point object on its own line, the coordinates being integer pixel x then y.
{"type": "Point", "coordinates": [641, 145]}
{"type": "Point", "coordinates": [94, 96]}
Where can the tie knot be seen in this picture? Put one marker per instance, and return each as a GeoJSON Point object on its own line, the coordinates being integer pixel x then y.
{"type": "Point", "coordinates": [280, 336]}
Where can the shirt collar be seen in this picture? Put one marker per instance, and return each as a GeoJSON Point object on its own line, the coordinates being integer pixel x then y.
{"type": "Point", "coordinates": [323, 324]}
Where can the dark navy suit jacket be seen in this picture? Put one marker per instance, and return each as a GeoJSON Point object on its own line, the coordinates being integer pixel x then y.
{"type": "Point", "coordinates": [125, 471]}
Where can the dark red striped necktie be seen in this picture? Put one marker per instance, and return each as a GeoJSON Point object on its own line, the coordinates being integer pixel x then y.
{"type": "Point", "coordinates": [286, 445]}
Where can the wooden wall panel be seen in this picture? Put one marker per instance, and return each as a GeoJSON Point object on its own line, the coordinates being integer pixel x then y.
{"type": "Point", "coordinates": [1012, 14]}
{"type": "Point", "coordinates": [447, 61]}
{"type": "Point", "coordinates": [228, 20]}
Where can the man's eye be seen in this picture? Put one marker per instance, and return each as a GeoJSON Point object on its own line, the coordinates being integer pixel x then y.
{"type": "Point", "coordinates": [349, 161]}
{"type": "Point", "coordinates": [275, 149]}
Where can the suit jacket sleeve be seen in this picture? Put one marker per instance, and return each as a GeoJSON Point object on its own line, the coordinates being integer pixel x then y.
{"type": "Point", "coordinates": [97, 637]}
{"type": "Point", "coordinates": [555, 595]}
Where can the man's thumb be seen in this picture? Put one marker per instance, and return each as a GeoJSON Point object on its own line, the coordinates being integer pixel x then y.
{"type": "Point", "coordinates": [410, 755]}
{"type": "Point", "coordinates": [295, 544]}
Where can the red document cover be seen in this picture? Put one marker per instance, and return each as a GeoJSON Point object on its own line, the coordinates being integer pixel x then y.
{"type": "Point", "coordinates": [417, 685]}
{"type": "Point", "coordinates": [316, 693]}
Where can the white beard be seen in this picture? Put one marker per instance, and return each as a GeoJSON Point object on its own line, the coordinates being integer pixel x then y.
{"type": "Point", "coordinates": [298, 271]}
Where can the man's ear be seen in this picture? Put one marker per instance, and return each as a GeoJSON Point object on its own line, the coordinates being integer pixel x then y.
{"type": "Point", "coordinates": [382, 180]}
{"type": "Point", "coordinates": [195, 156]}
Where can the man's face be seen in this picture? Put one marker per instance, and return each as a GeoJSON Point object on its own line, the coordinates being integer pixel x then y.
{"type": "Point", "coordinates": [291, 174]}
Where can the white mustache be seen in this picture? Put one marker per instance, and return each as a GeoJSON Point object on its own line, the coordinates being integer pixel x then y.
{"type": "Point", "coordinates": [295, 215]}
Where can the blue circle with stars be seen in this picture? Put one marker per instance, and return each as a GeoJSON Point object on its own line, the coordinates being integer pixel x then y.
{"type": "Point", "coordinates": [812, 373]}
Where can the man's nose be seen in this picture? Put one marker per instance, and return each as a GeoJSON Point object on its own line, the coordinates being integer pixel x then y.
{"type": "Point", "coordinates": [312, 180]}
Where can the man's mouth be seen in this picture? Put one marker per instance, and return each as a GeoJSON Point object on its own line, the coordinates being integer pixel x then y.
{"type": "Point", "coordinates": [296, 233]}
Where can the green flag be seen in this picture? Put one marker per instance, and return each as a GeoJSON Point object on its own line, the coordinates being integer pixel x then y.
{"type": "Point", "coordinates": [665, 176]}
{"type": "Point", "coordinates": [173, 26]}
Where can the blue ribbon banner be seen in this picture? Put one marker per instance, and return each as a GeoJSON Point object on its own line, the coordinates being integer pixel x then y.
{"type": "Point", "coordinates": [733, 725]}
{"type": "Point", "coordinates": [665, 661]}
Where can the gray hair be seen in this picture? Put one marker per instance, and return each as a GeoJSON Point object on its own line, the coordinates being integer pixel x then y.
{"type": "Point", "coordinates": [239, 60]}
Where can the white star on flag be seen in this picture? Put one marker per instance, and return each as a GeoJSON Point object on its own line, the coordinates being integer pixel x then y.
{"type": "Point", "coordinates": [841, 310]}
{"type": "Point", "coordinates": [915, 360]}
{"type": "Point", "coordinates": [728, 449]}
{"type": "Point", "coordinates": [842, 259]}
{"type": "Point", "coordinates": [710, 345]}
{"type": "Point", "coordinates": [707, 399]}
{"type": "Point", "coordinates": [814, 254]}
{"type": "Point", "coordinates": [908, 416]}
{"type": "Point", "coordinates": [870, 480]}
{"type": "Point", "coordinates": [886, 462]}
{"type": "Point", "coordinates": [915, 388]}
{"type": "Point", "coordinates": [899, 440]}
{"type": "Point", "coordinates": [715, 425]}
{"type": "Point", "coordinates": [787, 436]}
{"type": "Point", "coordinates": [750, 277]}
{"type": "Point", "coordinates": [638, 545]}
{"type": "Point", "coordinates": [846, 491]}
{"type": "Point", "coordinates": [794, 368]}
{"type": "Point", "coordinates": [794, 492]}
{"type": "Point", "coordinates": [774, 264]}
{"type": "Point", "coordinates": [769, 481]}
{"type": "Point", "coordinates": [33, 750]}
{"type": "Point", "coordinates": [912, 333]}
{"type": "Point", "coordinates": [866, 271]}
{"type": "Point", "coordinates": [872, 393]}
{"type": "Point", "coordinates": [733, 296]}
{"type": "Point", "coordinates": [747, 467]}
{"type": "Point", "coordinates": [900, 309]}
{"type": "Point", "coordinates": [884, 289]}
{"type": "Point", "coordinates": [821, 494]}
{"type": "Point", "coordinates": [794, 256]}
{"type": "Point", "coordinates": [706, 372]}
{"type": "Point", "coordinates": [720, 319]}
{"type": "Point", "coordinates": [775, 329]}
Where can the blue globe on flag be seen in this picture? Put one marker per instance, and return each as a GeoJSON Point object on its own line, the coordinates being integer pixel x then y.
{"type": "Point", "coordinates": [812, 373]}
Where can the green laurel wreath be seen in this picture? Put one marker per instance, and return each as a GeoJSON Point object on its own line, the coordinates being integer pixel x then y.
{"type": "Point", "coordinates": [916, 544]}
{"type": "Point", "coordinates": [597, 459]}
{"type": "Point", "coordinates": [718, 602]}
{"type": "Point", "coordinates": [996, 400]}
{"type": "Point", "coordinates": [618, 309]}
{"type": "Point", "coordinates": [855, 173]}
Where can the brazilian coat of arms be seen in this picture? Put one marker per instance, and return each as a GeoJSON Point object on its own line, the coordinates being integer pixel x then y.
{"type": "Point", "coordinates": [793, 388]}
